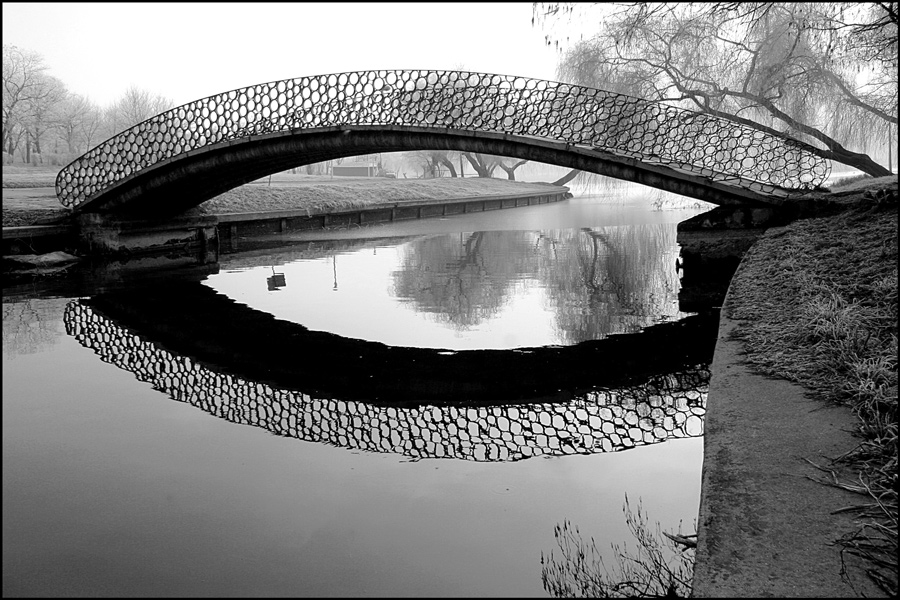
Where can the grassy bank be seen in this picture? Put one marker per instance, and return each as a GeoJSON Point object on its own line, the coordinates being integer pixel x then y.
{"type": "Point", "coordinates": [18, 176]}
{"type": "Point", "coordinates": [282, 192]}
{"type": "Point", "coordinates": [818, 305]}
{"type": "Point", "coordinates": [344, 193]}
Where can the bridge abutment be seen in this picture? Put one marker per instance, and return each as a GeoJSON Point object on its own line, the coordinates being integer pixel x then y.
{"type": "Point", "coordinates": [105, 234]}
{"type": "Point", "coordinates": [712, 246]}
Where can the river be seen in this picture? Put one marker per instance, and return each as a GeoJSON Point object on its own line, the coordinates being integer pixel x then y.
{"type": "Point", "coordinates": [401, 410]}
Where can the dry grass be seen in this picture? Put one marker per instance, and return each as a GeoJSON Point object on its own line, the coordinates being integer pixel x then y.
{"type": "Point", "coordinates": [818, 301]}
{"type": "Point", "coordinates": [322, 193]}
{"type": "Point", "coordinates": [861, 181]}
{"type": "Point", "coordinates": [285, 191]}
{"type": "Point", "coordinates": [15, 176]}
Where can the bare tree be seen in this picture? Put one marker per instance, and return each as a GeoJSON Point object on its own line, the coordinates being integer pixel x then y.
{"type": "Point", "coordinates": [77, 120]}
{"type": "Point", "coordinates": [823, 72]}
{"type": "Point", "coordinates": [135, 106]}
{"type": "Point", "coordinates": [27, 94]}
{"type": "Point", "coordinates": [510, 170]}
{"type": "Point", "coordinates": [430, 162]}
{"type": "Point", "coordinates": [90, 125]}
{"type": "Point", "coordinates": [484, 164]}
{"type": "Point", "coordinates": [442, 158]}
{"type": "Point", "coordinates": [39, 116]}
{"type": "Point", "coordinates": [68, 115]}
{"type": "Point", "coordinates": [36, 105]}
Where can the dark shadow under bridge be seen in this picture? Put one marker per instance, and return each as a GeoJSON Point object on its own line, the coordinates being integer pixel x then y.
{"type": "Point", "coordinates": [192, 153]}
{"type": "Point", "coordinates": [191, 319]}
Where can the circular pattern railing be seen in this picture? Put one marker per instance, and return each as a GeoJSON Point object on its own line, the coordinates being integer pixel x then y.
{"type": "Point", "coordinates": [604, 420]}
{"type": "Point", "coordinates": [648, 131]}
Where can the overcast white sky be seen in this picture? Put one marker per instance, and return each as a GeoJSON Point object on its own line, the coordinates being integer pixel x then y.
{"type": "Point", "coordinates": [192, 50]}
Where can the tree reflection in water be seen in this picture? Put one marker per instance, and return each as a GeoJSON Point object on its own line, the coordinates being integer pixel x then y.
{"type": "Point", "coordinates": [662, 565]}
{"type": "Point", "coordinates": [598, 281]}
{"type": "Point", "coordinates": [612, 280]}
{"type": "Point", "coordinates": [466, 280]}
{"type": "Point", "coordinates": [31, 325]}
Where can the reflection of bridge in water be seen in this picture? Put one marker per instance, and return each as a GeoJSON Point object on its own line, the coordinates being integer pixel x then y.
{"type": "Point", "coordinates": [191, 153]}
{"type": "Point", "coordinates": [191, 319]}
{"type": "Point", "coordinates": [664, 406]}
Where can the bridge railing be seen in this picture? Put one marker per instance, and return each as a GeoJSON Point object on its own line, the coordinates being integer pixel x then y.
{"type": "Point", "coordinates": [605, 121]}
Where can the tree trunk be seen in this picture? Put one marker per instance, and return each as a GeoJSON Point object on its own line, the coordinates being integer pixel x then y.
{"type": "Point", "coordinates": [482, 169]}
{"type": "Point", "coordinates": [567, 177]}
{"type": "Point", "coordinates": [856, 160]}
{"type": "Point", "coordinates": [449, 164]}
{"type": "Point", "coordinates": [511, 171]}
{"type": "Point", "coordinates": [890, 149]}
{"type": "Point", "coordinates": [835, 151]}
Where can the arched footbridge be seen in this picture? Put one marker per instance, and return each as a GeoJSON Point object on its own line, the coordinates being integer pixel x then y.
{"type": "Point", "coordinates": [191, 153]}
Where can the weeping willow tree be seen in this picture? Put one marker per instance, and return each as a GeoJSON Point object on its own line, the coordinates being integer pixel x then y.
{"type": "Point", "coordinates": [825, 73]}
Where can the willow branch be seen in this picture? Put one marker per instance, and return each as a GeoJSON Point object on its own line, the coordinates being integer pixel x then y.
{"type": "Point", "coordinates": [853, 99]}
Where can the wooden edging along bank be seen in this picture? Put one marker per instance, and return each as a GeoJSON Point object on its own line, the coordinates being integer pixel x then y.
{"type": "Point", "coordinates": [300, 220]}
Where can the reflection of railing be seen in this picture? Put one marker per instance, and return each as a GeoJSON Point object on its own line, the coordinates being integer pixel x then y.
{"type": "Point", "coordinates": [648, 131]}
{"type": "Point", "coordinates": [604, 420]}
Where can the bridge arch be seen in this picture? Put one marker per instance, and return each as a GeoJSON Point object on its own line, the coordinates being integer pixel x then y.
{"type": "Point", "coordinates": [191, 153]}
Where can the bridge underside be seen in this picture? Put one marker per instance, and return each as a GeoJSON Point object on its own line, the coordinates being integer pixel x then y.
{"type": "Point", "coordinates": [175, 185]}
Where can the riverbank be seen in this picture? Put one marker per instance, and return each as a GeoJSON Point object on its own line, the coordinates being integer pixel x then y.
{"type": "Point", "coordinates": [23, 205]}
{"type": "Point", "coordinates": [800, 459]}
{"type": "Point", "coordinates": [807, 351]}
{"type": "Point", "coordinates": [288, 203]}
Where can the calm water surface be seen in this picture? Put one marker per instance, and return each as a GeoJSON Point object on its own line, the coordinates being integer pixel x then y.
{"type": "Point", "coordinates": [135, 464]}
